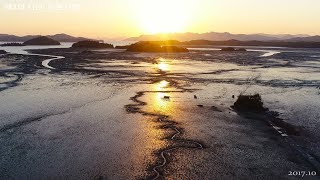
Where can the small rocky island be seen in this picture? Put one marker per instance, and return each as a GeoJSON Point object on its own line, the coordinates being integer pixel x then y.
{"type": "Point", "coordinates": [41, 41]}
{"type": "Point", "coordinates": [249, 103]}
{"type": "Point", "coordinates": [91, 44]}
{"type": "Point", "coordinates": [3, 52]}
{"type": "Point", "coordinates": [231, 49]}
{"type": "Point", "coordinates": [153, 47]}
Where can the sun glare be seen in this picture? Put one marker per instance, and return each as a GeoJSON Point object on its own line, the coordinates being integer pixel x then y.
{"type": "Point", "coordinates": [163, 66]}
{"type": "Point", "coordinates": [164, 16]}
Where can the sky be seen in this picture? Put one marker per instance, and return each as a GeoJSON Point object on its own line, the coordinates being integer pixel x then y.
{"type": "Point", "coordinates": [126, 18]}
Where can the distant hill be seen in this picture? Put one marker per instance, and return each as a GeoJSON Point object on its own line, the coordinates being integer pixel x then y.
{"type": "Point", "coordinates": [67, 38]}
{"type": "Point", "coordinates": [41, 40]}
{"type": "Point", "coordinates": [153, 47]}
{"type": "Point", "coordinates": [13, 38]}
{"type": "Point", "coordinates": [214, 36]}
{"type": "Point", "coordinates": [305, 39]}
{"type": "Point", "coordinates": [56, 37]}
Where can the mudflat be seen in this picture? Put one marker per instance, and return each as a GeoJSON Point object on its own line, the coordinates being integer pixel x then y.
{"type": "Point", "coordinates": [112, 114]}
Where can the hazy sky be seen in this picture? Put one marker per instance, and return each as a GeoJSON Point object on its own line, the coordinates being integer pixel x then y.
{"type": "Point", "coordinates": [121, 18]}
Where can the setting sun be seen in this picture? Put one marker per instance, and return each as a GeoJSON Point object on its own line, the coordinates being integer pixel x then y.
{"type": "Point", "coordinates": [164, 16]}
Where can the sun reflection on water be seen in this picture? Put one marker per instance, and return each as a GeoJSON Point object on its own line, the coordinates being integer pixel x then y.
{"type": "Point", "coordinates": [160, 103]}
{"type": "Point", "coordinates": [161, 99]}
{"type": "Point", "coordinates": [163, 65]}
{"type": "Point", "coordinates": [162, 85]}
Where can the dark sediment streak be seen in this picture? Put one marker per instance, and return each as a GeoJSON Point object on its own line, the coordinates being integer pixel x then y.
{"type": "Point", "coordinates": [12, 83]}
{"type": "Point", "coordinates": [22, 65]}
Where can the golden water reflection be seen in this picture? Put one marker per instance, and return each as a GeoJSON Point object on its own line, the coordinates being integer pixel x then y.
{"type": "Point", "coordinates": [162, 85]}
{"type": "Point", "coordinates": [163, 65]}
{"type": "Point", "coordinates": [161, 100]}
{"type": "Point", "coordinates": [162, 103]}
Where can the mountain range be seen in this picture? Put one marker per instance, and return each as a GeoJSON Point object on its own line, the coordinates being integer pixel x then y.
{"type": "Point", "coordinates": [211, 36]}
{"type": "Point", "coordinates": [57, 37]}
{"type": "Point", "coordinates": [225, 36]}
{"type": "Point", "coordinates": [305, 39]}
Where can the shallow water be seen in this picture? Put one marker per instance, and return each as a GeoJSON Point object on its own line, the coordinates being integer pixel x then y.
{"type": "Point", "coordinates": [23, 49]}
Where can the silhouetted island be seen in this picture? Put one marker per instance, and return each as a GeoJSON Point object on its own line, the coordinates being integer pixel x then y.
{"type": "Point", "coordinates": [3, 52]}
{"type": "Point", "coordinates": [233, 49]}
{"type": "Point", "coordinates": [153, 47]}
{"type": "Point", "coordinates": [11, 44]}
{"type": "Point", "coordinates": [42, 41]}
{"type": "Point", "coordinates": [91, 44]}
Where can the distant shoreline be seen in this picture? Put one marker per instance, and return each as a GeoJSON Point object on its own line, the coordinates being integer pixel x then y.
{"type": "Point", "coordinates": [199, 43]}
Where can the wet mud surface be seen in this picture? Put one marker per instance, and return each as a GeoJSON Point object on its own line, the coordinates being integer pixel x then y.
{"type": "Point", "coordinates": [119, 115]}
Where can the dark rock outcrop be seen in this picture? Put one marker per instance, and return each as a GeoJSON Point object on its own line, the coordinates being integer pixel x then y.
{"type": "Point", "coordinates": [42, 41]}
{"type": "Point", "coordinates": [91, 44]}
{"type": "Point", "coordinates": [249, 103]}
{"type": "Point", "coordinates": [251, 106]}
{"type": "Point", "coordinates": [154, 47]}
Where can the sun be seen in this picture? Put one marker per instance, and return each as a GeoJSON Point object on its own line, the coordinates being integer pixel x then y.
{"type": "Point", "coordinates": [163, 16]}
